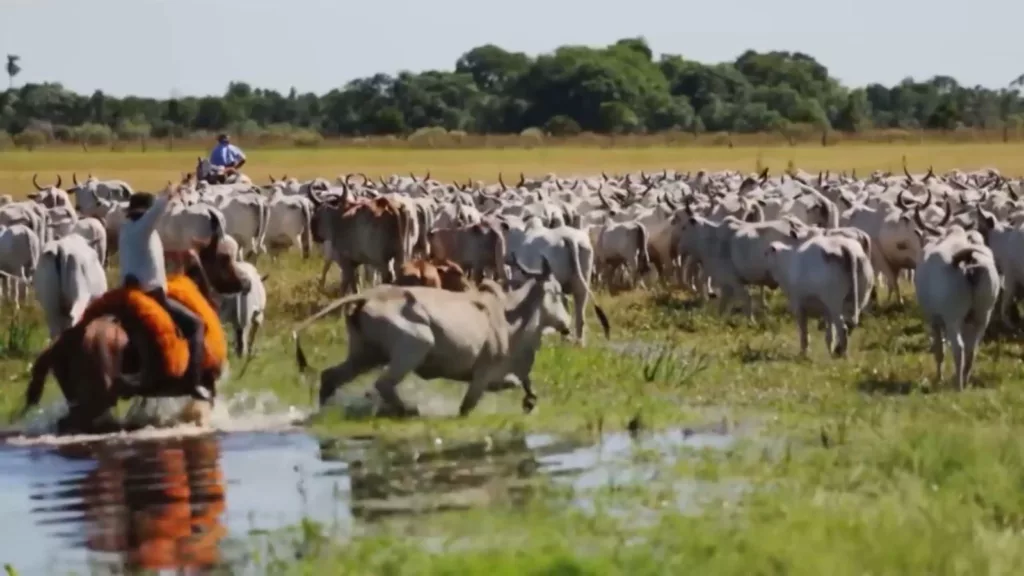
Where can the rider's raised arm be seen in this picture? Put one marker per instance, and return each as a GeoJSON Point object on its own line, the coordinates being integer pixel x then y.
{"type": "Point", "coordinates": [238, 152]}
{"type": "Point", "coordinates": [147, 222]}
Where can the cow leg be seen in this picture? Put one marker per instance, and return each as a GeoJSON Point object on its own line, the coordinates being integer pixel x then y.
{"type": "Point", "coordinates": [333, 378]}
{"type": "Point", "coordinates": [323, 274]}
{"type": "Point", "coordinates": [938, 351]}
{"type": "Point", "coordinates": [412, 353]}
{"type": "Point", "coordinates": [973, 333]}
{"type": "Point", "coordinates": [579, 301]}
{"type": "Point", "coordinates": [1007, 303]}
{"type": "Point", "coordinates": [475, 391]}
{"type": "Point", "coordinates": [801, 324]}
{"type": "Point", "coordinates": [240, 344]}
{"type": "Point", "coordinates": [841, 335]}
{"type": "Point", "coordinates": [349, 280]}
{"type": "Point", "coordinates": [956, 345]}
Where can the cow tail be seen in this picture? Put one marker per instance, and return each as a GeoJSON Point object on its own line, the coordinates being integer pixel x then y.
{"type": "Point", "coordinates": [307, 229]}
{"type": "Point", "coordinates": [644, 257]}
{"type": "Point", "coordinates": [852, 265]}
{"type": "Point", "coordinates": [263, 210]}
{"type": "Point", "coordinates": [403, 232]}
{"type": "Point", "coordinates": [500, 251]}
{"type": "Point", "coordinates": [965, 260]}
{"type": "Point", "coordinates": [40, 370]}
{"type": "Point", "coordinates": [60, 261]}
{"type": "Point", "coordinates": [578, 271]}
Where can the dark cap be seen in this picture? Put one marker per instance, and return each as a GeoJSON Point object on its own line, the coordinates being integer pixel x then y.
{"type": "Point", "coordinates": [140, 202]}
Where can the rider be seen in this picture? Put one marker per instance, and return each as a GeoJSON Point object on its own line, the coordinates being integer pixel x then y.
{"type": "Point", "coordinates": [142, 263]}
{"type": "Point", "coordinates": [227, 155]}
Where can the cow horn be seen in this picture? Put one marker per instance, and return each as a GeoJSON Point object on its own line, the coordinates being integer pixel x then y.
{"type": "Point", "coordinates": [74, 178]}
{"type": "Point", "coordinates": [427, 177]}
{"type": "Point", "coordinates": [927, 200]}
{"type": "Point", "coordinates": [604, 176]}
{"type": "Point", "coordinates": [604, 200]}
{"type": "Point", "coordinates": [672, 205]}
{"type": "Point", "coordinates": [502, 182]}
{"type": "Point", "coordinates": [901, 201]}
{"type": "Point", "coordinates": [764, 176]}
{"type": "Point", "coordinates": [923, 226]}
{"type": "Point", "coordinates": [949, 214]}
{"type": "Point", "coordinates": [272, 181]}
{"type": "Point", "coordinates": [35, 177]}
{"type": "Point", "coordinates": [522, 179]}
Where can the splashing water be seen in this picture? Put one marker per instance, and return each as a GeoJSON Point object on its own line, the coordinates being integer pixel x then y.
{"type": "Point", "coordinates": [242, 411]}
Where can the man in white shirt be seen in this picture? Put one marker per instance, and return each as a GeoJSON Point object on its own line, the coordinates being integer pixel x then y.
{"type": "Point", "coordinates": [141, 254]}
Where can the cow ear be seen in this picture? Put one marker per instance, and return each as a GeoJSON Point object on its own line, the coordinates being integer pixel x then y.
{"type": "Point", "coordinates": [33, 196]}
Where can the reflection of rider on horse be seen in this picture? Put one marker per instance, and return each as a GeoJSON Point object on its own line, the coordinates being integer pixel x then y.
{"type": "Point", "coordinates": [142, 264]}
{"type": "Point", "coordinates": [226, 157]}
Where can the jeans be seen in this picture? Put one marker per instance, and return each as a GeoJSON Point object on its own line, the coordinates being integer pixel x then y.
{"type": "Point", "coordinates": [191, 326]}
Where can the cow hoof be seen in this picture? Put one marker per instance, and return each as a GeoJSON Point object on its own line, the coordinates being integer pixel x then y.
{"type": "Point", "coordinates": [529, 403]}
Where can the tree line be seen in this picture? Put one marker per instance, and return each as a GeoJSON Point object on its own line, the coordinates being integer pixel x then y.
{"type": "Point", "coordinates": [618, 89]}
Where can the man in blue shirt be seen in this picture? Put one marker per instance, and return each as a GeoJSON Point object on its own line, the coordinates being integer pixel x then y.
{"type": "Point", "coordinates": [226, 154]}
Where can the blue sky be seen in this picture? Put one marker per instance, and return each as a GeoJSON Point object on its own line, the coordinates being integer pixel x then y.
{"type": "Point", "coordinates": [159, 47]}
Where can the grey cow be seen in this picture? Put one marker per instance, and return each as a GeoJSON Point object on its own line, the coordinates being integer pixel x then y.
{"type": "Point", "coordinates": [483, 338]}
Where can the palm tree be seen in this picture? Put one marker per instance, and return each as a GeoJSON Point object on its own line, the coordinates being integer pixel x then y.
{"type": "Point", "coordinates": [12, 68]}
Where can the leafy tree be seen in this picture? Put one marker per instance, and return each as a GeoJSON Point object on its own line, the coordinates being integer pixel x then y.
{"type": "Point", "coordinates": [13, 69]}
{"type": "Point", "coordinates": [619, 88]}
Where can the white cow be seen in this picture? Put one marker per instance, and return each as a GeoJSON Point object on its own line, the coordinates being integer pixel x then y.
{"type": "Point", "coordinates": [829, 275]}
{"type": "Point", "coordinates": [69, 276]}
{"type": "Point", "coordinates": [571, 257]}
{"type": "Point", "coordinates": [957, 284]}
{"type": "Point", "coordinates": [245, 312]}
{"type": "Point", "coordinates": [19, 252]}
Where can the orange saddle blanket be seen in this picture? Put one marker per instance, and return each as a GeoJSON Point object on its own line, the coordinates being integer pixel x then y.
{"type": "Point", "coordinates": [161, 326]}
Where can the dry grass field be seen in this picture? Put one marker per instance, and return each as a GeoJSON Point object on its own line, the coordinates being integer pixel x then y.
{"type": "Point", "coordinates": [149, 170]}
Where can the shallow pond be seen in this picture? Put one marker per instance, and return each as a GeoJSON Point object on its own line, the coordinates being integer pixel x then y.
{"type": "Point", "coordinates": [170, 501]}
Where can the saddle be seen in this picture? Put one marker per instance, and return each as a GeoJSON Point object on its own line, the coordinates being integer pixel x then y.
{"type": "Point", "coordinates": [131, 303]}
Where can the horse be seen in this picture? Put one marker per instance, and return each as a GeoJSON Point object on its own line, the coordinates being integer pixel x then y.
{"type": "Point", "coordinates": [207, 172]}
{"type": "Point", "coordinates": [90, 358]}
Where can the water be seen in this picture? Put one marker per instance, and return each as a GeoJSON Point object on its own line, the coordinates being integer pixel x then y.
{"type": "Point", "coordinates": [177, 498]}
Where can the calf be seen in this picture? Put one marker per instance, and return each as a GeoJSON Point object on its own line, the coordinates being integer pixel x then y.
{"type": "Point", "coordinates": [442, 274]}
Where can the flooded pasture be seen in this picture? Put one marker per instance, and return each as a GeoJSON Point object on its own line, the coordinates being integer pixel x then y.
{"type": "Point", "coordinates": [173, 499]}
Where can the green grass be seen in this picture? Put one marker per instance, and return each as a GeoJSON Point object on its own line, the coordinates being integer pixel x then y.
{"type": "Point", "coordinates": [864, 466]}
{"type": "Point", "coordinates": [861, 465]}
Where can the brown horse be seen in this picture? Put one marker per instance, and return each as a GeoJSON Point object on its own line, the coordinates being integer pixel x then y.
{"type": "Point", "coordinates": [89, 358]}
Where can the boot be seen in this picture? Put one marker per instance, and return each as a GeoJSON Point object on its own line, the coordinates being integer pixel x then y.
{"type": "Point", "coordinates": [193, 377]}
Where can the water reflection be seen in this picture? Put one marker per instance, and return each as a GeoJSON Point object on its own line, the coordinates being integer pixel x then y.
{"type": "Point", "coordinates": [156, 505]}
{"type": "Point", "coordinates": [391, 479]}
{"type": "Point", "coordinates": [181, 503]}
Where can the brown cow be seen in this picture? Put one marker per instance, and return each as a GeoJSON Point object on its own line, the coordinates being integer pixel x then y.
{"type": "Point", "coordinates": [475, 247]}
{"type": "Point", "coordinates": [443, 274]}
{"type": "Point", "coordinates": [370, 232]}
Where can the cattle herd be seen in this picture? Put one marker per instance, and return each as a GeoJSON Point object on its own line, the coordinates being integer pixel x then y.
{"type": "Point", "coordinates": [485, 268]}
